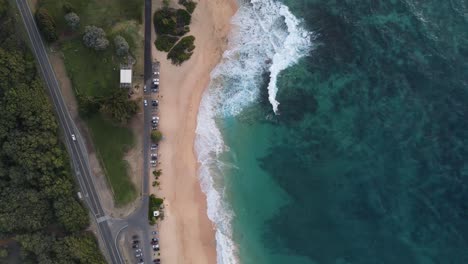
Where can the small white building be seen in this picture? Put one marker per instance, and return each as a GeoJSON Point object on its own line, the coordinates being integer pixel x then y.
{"type": "Point", "coordinates": [126, 78]}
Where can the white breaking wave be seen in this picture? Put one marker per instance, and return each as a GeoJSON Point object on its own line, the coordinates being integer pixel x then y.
{"type": "Point", "coordinates": [266, 37]}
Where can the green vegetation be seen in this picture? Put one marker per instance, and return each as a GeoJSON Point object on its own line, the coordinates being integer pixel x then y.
{"type": "Point", "coordinates": [38, 204]}
{"type": "Point", "coordinates": [121, 46]}
{"type": "Point", "coordinates": [46, 24]}
{"type": "Point", "coordinates": [182, 51]}
{"type": "Point", "coordinates": [112, 142]}
{"type": "Point", "coordinates": [189, 5]}
{"type": "Point", "coordinates": [157, 173]}
{"type": "Point", "coordinates": [154, 204]}
{"type": "Point", "coordinates": [76, 248]}
{"type": "Point", "coordinates": [95, 38]}
{"type": "Point", "coordinates": [104, 14]}
{"type": "Point", "coordinates": [73, 21]}
{"type": "Point", "coordinates": [156, 136]}
{"type": "Point", "coordinates": [169, 25]}
{"type": "Point", "coordinates": [165, 42]}
{"type": "Point", "coordinates": [170, 21]}
{"type": "Point", "coordinates": [94, 73]}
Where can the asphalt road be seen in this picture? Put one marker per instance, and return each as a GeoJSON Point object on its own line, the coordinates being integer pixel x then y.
{"type": "Point", "coordinates": [77, 149]}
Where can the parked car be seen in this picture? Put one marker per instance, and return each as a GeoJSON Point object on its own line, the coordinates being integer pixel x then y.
{"type": "Point", "coordinates": [154, 156]}
{"type": "Point", "coordinates": [154, 102]}
{"type": "Point", "coordinates": [134, 237]}
{"type": "Point", "coordinates": [144, 88]}
{"type": "Point", "coordinates": [145, 102]}
{"type": "Point", "coordinates": [154, 146]}
{"type": "Point", "coordinates": [135, 246]}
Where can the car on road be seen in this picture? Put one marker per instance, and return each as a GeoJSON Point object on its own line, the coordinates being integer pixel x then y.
{"type": "Point", "coordinates": [144, 88]}
{"type": "Point", "coordinates": [145, 102]}
{"type": "Point", "coordinates": [73, 137]}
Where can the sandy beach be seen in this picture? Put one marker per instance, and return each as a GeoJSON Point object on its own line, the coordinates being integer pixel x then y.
{"type": "Point", "coordinates": [186, 233]}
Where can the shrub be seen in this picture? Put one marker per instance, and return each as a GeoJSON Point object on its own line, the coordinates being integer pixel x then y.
{"type": "Point", "coordinates": [46, 25]}
{"type": "Point", "coordinates": [73, 20]}
{"type": "Point", "coordinates": [118, 107]}
{"type": "Point", "coordinates": [67, 8]}
{"type": "Point", "coordinates": [190, 6]}
{"type": "Point", "coordinates": [121, 46]}
{"type": "Point", "coordinates": [95, 38]}
{"type": "Point", "coordinates": [183, 17]}
{"type": "Point", "coordinates": [157, 173]}
{"type": "Point", "coordinates": [171, 21]}
{"type": "Point", "coordinates": [182, 51]}
{"type": "Point", "coordinates": [165, 42]}
{"type": "Point", "coordinates": [156, 136]}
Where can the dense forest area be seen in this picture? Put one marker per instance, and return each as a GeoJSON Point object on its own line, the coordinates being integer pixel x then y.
{"type": "Point", "coordinates": [39, 210]}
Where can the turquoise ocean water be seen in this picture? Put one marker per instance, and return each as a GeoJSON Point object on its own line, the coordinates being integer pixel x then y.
{"type": "Point", "coordinates": [336, 132]}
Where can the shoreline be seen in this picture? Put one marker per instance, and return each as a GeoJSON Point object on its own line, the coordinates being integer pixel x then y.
{"type": "Point", "coordinates": [186, 233]}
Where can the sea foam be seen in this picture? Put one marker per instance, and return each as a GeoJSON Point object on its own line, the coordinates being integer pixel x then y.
{"type": "Point", "coordinates": [266, 37]}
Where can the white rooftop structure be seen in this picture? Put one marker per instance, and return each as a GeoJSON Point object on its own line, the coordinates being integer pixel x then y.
{"type": "Point", "coordinates": [125, 77]}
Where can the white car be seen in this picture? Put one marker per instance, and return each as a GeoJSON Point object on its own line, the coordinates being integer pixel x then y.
{"type": "Point", "coordinates": [155, 118]}
{"type": "Point", "coordinates": [144, 88]}
{"type": "Point", "coordinates": [73, 137]}
{"type": "Point", "coordinates": [145, 102]}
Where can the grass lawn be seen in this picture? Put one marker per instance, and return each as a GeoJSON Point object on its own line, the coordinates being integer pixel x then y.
{"type": "Point", "coordinates": [92, 73]}
{"type": "Point", "coordinates": [112, 142]}
{"type": "Point", "coordinates": [96, 74]}
{"type": "Point", "coordinates": [101, 13]}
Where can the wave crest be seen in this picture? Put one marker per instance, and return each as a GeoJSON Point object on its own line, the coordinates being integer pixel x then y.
{"type": "Point", "coordinates": [266, 37]}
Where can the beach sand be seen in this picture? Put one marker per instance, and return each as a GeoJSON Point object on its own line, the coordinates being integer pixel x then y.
{"type": "Point", "coordinates": [186, 233]}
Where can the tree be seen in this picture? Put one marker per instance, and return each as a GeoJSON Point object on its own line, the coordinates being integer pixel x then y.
{"type": "Point", "coordinates": [3, 252]}
{"type": "Point", "coordinates": [71, 214]}
{"type": "Point", "coordinates": [46, 24]}
{"type": "Point", "coordinates": [67, 8]}
{"type": "Point", "coordinates": [156, 136]}
{"type": "Point", "coordinates": [121, 46]}
{"type": "Point", "coordinates": [118, 107]}
{"type": "Point", "coordinates": [95, 38]}
{"type": "Point", "coordinates": [73, 20]}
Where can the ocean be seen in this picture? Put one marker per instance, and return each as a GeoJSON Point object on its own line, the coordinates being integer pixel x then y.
{"type": "Point", "coordinates": [335, 131]}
